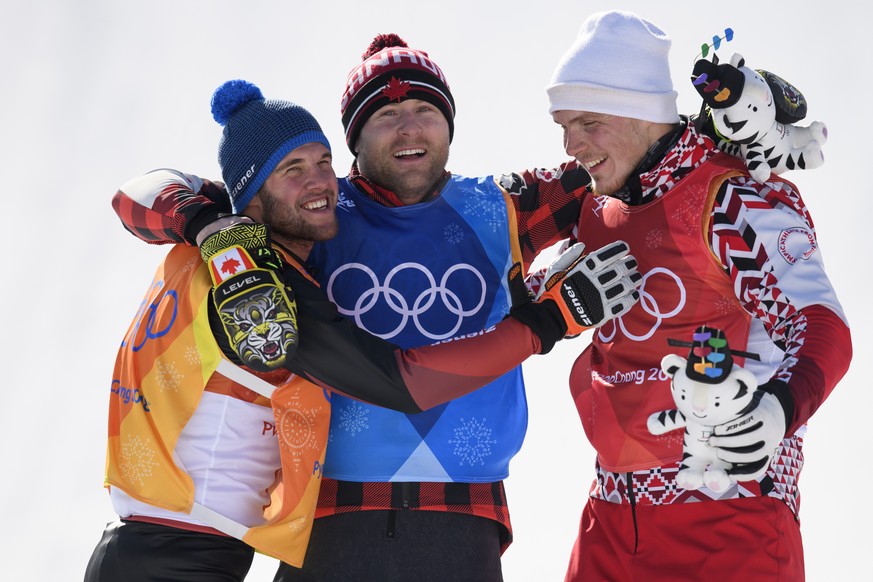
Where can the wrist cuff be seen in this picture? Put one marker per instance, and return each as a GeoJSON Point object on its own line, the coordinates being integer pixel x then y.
{"type": "Point", "coordinates": [544, 319]}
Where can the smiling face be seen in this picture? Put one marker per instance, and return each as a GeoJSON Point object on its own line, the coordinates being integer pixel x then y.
{"type": "Point", "coordinates": [609, 147]}
{"type": "Point", "coordinates": [404, 147]}
{"type": "Point", "coordinates": [298, 199]}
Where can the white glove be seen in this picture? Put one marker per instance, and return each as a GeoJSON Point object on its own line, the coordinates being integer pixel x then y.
{"type": "Point", "coordinates": [750, 441]}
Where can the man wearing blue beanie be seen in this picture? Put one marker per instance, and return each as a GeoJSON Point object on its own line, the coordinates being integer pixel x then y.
{"type": "Point", "coordinates": [215, 447]}
{"type": "Point", "coordinates": [258, 133]}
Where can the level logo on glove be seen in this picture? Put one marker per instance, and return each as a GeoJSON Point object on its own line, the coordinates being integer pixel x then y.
{"type": "Point", "coordinates": [257, 311]}
{"type": "Point", "coordinates": [594, 288]}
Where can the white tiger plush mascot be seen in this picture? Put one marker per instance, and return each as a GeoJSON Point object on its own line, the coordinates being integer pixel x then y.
{"type": "Point", "coordinates": [708, 391]}
{"type": "Point", "coordinates": [754, 112]}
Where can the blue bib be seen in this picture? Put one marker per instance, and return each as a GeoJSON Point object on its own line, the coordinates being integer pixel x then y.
{"type": "Point", "coordinates": [416, 275]}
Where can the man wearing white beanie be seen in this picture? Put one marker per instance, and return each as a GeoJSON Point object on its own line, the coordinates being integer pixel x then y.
{"type": "Point", "coordinates": [711, 243]}
{"type": "Point", "coordinates": [618, 65]}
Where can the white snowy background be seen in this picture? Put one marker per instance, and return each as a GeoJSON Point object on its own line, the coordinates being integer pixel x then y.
{"type": "Point", "coordinates": [97, 91]}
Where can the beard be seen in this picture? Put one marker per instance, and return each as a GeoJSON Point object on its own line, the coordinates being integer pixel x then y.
{"type": "Point", "coordinates": [286, 221]}
{"type": "Point", "coordinates": [406, 185]}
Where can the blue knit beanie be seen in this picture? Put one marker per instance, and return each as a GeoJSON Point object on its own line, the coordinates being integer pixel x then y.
{"type": "Point", "coordinates": [258, 133]}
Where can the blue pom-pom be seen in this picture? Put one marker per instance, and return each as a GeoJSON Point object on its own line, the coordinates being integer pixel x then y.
{"type": "Point", "coordinates": [230, 97]}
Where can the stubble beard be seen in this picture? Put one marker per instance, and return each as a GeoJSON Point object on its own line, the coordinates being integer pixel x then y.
{"type": "Point", "coordinates": [408, 186]}
{"type": "Point", "coordinates": [602, 191]}
{"type": "Point", "coordinates": [285, 221]}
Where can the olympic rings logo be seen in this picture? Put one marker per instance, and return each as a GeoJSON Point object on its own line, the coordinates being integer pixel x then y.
{"type": "Point", "coordinates": [399, 304]}
{"type": "Point", "coordinates": [148, 312]}
{"type": "Point", "coordinates": [650, 305]}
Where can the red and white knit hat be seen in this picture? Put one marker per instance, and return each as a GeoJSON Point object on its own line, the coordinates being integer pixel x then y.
{"type": "Point", "coordinates": [392, 72]}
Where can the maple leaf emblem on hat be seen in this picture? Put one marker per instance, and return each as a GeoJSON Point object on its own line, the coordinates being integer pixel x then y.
{"type": "Point", "coordinates": [395, 89]}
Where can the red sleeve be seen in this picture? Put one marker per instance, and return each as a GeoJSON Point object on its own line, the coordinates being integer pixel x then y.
{"type": "Point", "coordinates": [166, 206]}
{"type": "Point", "coordinates": [821, 362]}
{"type": "Point", "coordinates": [437, 374]}
{"type": "Point", "coordinates": [547, 204]}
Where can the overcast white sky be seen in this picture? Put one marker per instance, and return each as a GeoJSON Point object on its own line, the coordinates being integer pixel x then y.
{"type": "Point", "coordinates": [98, 91]}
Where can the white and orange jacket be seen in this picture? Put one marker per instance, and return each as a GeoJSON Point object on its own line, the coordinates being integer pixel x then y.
{"type": "Point", "coordinates": [192, 437]}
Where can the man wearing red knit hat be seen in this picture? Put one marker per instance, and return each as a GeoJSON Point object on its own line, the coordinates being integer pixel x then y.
{"type": "Point", "coordinates": [421, 257]}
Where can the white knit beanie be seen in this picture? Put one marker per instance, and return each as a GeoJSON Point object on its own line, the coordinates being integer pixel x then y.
{"type": "Point", "coordinates": [619, 66]}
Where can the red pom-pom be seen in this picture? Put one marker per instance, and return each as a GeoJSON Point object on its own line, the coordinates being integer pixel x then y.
{"type": "Point", "coordinates": [383, 41]}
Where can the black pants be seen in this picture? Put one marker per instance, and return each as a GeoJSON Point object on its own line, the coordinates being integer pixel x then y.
{"type": "Point", "coordinates": [132, 551]}
{"type": "Point", "coordinates": [400, 546]}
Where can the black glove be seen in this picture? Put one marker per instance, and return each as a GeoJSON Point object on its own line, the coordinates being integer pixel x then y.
{"type": "Point", "coordinates": [258, 313]}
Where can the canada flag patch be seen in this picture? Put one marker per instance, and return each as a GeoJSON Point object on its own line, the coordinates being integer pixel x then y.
{"type": "Point", "coordinates": [230, 262]}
